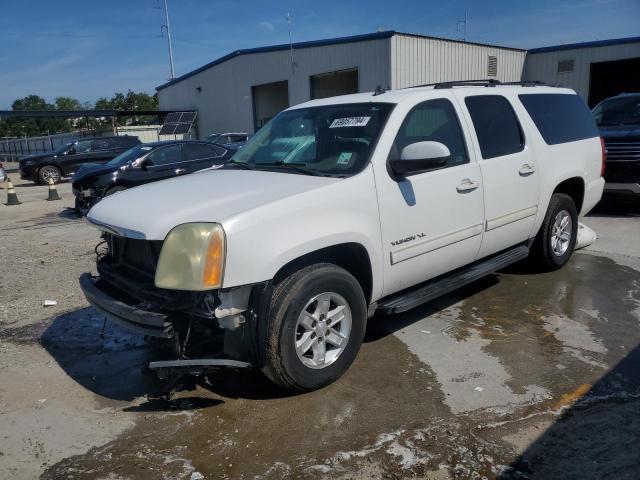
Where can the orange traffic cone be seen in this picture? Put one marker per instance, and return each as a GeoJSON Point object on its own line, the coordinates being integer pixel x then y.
{"type": "Point", "coordinates": [12, 198]}
{"type": "Point", "coordinates": [53, 191]}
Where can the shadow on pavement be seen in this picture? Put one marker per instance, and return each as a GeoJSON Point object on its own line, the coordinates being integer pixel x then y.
{"type": "Point", "coordinates": [113, 365]}
{"type": "Point", "coordinates": [617, 206]}
{"type": "Point", "coordinates": [596, 438]}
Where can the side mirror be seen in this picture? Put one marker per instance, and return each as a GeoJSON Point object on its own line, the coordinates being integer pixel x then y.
{"type": "Point", "coordinates": [71, 151]}
{"type": "Point", "coordinates": [420, 157]}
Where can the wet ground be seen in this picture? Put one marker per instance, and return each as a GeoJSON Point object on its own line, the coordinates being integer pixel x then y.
{"type": "Point", "coordinates": [520, 375]}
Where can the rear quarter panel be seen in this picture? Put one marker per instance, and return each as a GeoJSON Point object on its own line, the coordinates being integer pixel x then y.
{"type": "Point", "coordinates": [557, 163]}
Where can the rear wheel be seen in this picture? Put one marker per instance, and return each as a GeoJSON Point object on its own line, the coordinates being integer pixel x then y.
{"type": "Point", "coordinates": [556, 239]}
{"type": "Point", "coordinates": [317, 322]}
{"type": "Point", "coordinates": [49, 172]}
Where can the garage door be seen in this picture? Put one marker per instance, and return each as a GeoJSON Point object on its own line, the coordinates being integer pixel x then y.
{"type": "Point", "coordinates": [611, 78]}
{"type": "Point", "coordinates": [331, 84]}
{"type": "Point", "coordinates": [268, 100]}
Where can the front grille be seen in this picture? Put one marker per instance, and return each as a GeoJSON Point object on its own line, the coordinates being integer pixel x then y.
{"type": "Point", "coordinates": [138, 256]}
{"type": "Point", "coordinates": [623, 151]}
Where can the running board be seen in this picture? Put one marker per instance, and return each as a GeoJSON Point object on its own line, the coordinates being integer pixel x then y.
{"type": "Point", "coordinates": [452, 281]}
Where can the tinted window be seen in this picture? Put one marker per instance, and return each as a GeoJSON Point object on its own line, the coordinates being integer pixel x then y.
{"type": "Point", "coordinates": [98, 145]}
{"type": "Point", "coordinates": [238, 138]}
{"type": "Point", "coordinates": [194, 151]}
{"type": "Point", "coordinates": [496, 125]}
{"type": "Point", "coordinates": [435, 121]}
{"type": "Point", "coordinates": [560, 118]}
{"type": "Point", "coordinates": [83, 146]}
{"type": "Point", "coordinates": [165, 155]}
{"type": "Point", "coordinates": [125, 141]}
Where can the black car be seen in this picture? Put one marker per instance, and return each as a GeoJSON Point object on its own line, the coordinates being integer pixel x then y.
{"type": "Point", "coordinates": [619, 121]}
{"type": "Point", "coordinates": [143, 164]}
{"type": "Point", "coordinates": [64, 161]}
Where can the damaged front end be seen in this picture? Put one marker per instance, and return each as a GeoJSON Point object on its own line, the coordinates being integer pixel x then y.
{"type": "Point", "coordinates": [208, 330]}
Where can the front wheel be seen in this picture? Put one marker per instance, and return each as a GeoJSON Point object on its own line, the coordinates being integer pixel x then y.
{"type": "Point", "coordinates": [556, 239]}
{"type": "Point", "coordinates": [316, 325]}
{"type": "Point", "coordinates": [49, 172]}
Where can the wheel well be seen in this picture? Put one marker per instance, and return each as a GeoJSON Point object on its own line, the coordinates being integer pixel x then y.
{"type": "Point", "coordinates": [574, 187]}
{"type": "Point", "coordinates": [353, 257]}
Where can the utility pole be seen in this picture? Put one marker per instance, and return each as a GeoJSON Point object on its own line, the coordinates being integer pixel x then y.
{"type": "Point", "coordinates": [167, 26]}
{"type": "Point", "coordinates": [464, 30]}
{"type": "Point", "coordinates": [291, 43]}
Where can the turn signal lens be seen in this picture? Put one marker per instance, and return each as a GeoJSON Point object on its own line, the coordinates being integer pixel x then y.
{"type": "Point", "coordinates": [212, 275]}
{"type": "Point", "coordinates": [604, 157]}
{"type": "Point", "coordinates": [192, 258]}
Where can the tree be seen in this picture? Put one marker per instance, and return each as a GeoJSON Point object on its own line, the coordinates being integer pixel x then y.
{"type": "Point", "coordinates": [68, 103]}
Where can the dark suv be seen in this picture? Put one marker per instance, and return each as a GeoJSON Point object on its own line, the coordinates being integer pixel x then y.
{"type": "Point", "coordinates": [619, 121]}
{"type": "Point", "coordinates": [69, 157]}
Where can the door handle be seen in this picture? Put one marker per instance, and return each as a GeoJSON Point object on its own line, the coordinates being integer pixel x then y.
{"type": "Point", "coordinates": [180, 171]}
{"type": "Point", "coordinates": [526, 170]}
{"type": "Point", "coordinates": [467, 186]}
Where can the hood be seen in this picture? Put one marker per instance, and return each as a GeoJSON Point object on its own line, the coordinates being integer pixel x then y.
{"type": "Point", "coordinates": [152, 210]}
{"type": "Point", "coordinates": [91, 169]}
{"type": "Point", "coordinates": [623, 133]}
{"type": "Point", "coordinates": [38, 156]}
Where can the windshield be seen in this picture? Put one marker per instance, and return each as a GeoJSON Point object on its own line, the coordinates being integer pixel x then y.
{"type": "Point", "coordinates": [328, 140]}
{"type": "Point", "coordinates": [618, 111]}
{"type": "Point", "coordinates": [130, 155]}
{"type": "Point", "coordinates": [213, 138]}
{"type": "Point", "coordinates": [63, 148]}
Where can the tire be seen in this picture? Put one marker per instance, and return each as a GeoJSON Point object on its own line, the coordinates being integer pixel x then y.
{"type": "Point", "coordinates": [314, 289]}
{"type": "Point", "coordinates": [49, 171]}
{"type": "Point", "coordinates": [552, 248]}
{"type": "Point", "coordinates": [81, 208]}
{"type": "Point", "coordinates": [113, 190]}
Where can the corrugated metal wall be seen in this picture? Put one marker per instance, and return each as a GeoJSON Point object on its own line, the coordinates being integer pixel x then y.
{"type": "Point", "coordinates": [544, 66]}
{"type": "Point", "coordinates": [225, 104]}
{"type": "Point", "coordinates": [419, 60]}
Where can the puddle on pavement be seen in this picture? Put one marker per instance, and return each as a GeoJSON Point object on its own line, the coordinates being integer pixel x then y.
{"type": "Point", "coordinates": [421, 395]}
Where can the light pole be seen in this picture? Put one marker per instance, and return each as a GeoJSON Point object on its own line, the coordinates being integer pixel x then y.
{"type": "Point", "coordinates": [167, 26]}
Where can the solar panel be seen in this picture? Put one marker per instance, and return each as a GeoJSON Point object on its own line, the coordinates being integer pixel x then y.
{"type": "Point", "coordinates": [182, 128]}
{"type": "Point", "coordinates": [168, 129]}
{"type": "Point", "coordinates": [187, 117]}
{"type": "Point", "coordinates": [178, 123]}
{"type": "Point", "coordinates": [173, 117]}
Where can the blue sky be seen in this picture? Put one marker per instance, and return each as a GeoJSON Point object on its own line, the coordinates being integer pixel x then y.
{"type": "Point", "coordinates": [95, 48]}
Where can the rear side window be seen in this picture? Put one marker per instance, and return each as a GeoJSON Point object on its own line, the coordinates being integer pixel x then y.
{"type": "Point", "coordinates": [496, 125]}
{"type": "Point", "coordinates": [195, 151]}
{"type": "Point", "coordinates": [560, 118]}
{"type": "Point", "coordinates": [165, 155]}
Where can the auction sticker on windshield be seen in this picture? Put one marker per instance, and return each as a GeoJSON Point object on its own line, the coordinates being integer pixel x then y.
{"type": "Point", "coordinates": [350, 122]}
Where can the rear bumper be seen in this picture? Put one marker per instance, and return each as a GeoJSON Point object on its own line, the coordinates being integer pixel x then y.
{"type": "Point", "coordinates": [630, 188]}
{"type": "Point", "coordinates": [120, 309]}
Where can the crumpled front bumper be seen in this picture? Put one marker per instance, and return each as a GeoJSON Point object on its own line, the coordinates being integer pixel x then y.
{"type": "Point", "coordinates": [122, 310]}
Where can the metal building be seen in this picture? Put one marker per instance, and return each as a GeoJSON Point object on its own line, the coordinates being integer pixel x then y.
{"type": "Point", "coordinates": [243, 90]}
{"type": "Point", "coordinates": [596, 70]}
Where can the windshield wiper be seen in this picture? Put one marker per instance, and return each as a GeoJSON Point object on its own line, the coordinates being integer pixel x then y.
{"type": "Point", "coordinates": [296, 167]}
{"type": "Point", "coordinates": [243, 165]}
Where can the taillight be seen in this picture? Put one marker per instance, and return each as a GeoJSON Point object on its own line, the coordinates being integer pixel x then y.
{"type": "Point", "coordinates": [604, 156]}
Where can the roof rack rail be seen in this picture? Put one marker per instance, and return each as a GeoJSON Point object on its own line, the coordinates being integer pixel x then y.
{"type": "Point", "coordinates": [491, 82]}
{"type": "Point", "coordinates": [528, 83]}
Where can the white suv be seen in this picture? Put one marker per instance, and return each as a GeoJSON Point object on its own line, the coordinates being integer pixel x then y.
{"type": "Point", "coordinates": [342, 207]}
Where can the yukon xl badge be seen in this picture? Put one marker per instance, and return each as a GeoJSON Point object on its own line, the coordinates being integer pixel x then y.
{"type": "Point", "coordinates": [408, 239]}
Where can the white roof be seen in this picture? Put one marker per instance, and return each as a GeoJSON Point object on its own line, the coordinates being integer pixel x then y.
{"type": "Point", "coordinates": [397, 96]}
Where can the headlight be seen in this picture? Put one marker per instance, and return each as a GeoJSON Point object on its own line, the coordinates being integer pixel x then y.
{"type": "Point", "coordinates": [192, 258]}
